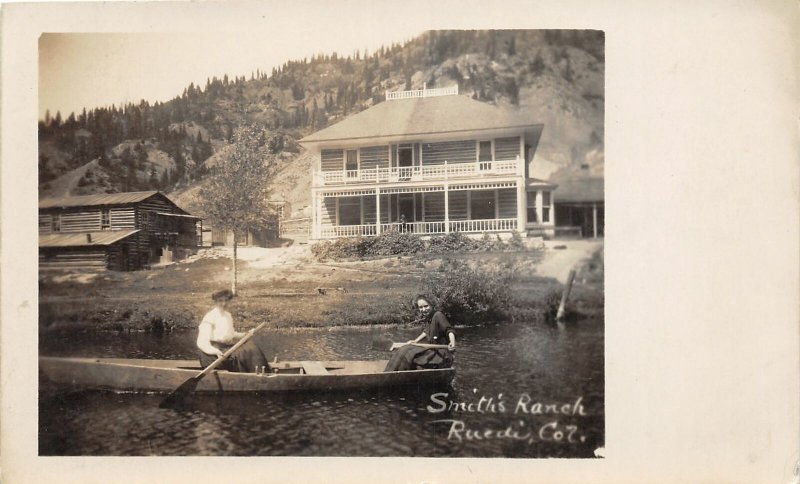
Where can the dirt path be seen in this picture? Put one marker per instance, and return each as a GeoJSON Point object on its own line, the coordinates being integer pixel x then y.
{"type": "Point", "coordinates": [557, 262]}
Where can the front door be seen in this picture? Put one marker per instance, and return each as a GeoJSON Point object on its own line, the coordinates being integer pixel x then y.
{"type": "Point", "coordinates": [405, 162]}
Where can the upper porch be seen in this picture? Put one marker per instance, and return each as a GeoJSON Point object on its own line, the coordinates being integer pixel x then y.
{"type": "Point", "coordinates": [444, 171]}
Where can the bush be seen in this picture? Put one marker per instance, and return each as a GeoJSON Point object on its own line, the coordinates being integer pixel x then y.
{"type": "Point", "coordinates": [452, 242]}
{"type": "Point", "coordinates": [393, 242]}
{"type": "Point", "coordinates": [470, 295]}
{"type": "Point", "coordinates": [515, 242]}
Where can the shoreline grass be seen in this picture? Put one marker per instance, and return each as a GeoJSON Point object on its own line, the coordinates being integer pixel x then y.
{"type": "Point", "coordinates": [360, 293]}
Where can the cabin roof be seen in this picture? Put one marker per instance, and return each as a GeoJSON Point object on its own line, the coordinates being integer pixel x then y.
{"type": "Point", "coordinates": [580, 190]}
{"type": "Point", "coordinates": [104, 199]}
{"type": "Point", "coordinates": [420, 116]}
{"type": "Point", "coordinates": [99, 199]}
{"type": "Point", "coordinates": [79, 239]}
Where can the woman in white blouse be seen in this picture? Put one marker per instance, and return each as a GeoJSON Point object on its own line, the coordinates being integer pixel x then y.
{"type": "Point", "coordinates": [216, 335]}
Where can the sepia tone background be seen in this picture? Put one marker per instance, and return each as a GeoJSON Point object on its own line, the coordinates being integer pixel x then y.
{"type": "Point", "coordinates": [701, 239]}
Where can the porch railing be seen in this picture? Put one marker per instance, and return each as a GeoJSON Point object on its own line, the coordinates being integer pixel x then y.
{"type": "Point", "coordinates": [421, 228]}
{"type": "Point", "coordinates": [419, 173]}
{"type": "Point", "coordinates": [334, 231]}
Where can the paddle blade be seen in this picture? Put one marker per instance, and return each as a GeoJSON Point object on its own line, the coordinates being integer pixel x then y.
{"type": "Point", "coordinates": [179, 395]}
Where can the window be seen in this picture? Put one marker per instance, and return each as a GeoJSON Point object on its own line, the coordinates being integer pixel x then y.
{"type": "Point", "coordinates": [485, 151]}
{"type": "Point", "coordinates": [56, 222]}
{"type": "Point", "coordinates": [350, 211]}
{"type": "Point", "coordinates": [532, 217]}
{"type": "Point", "coordinates": [482, 205]}
{"type": "Point", "coordinates": [545, 206]}
{"type": "Point", "coordinates": [351, 161]}
{"type": "Point", "coordinates": [105, 219]}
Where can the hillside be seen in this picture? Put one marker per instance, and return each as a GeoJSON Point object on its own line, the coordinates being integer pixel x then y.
{"type": "Point", "coordinates": [558, 75]}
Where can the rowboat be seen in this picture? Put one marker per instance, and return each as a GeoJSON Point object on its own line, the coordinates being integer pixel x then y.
{"type": "Point", "coordinates": [151, 375]}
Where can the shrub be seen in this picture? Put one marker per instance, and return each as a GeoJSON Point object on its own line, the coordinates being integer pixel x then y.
{"type": "Point", "coordinates": [470, 295]}
{"type": "Point", "coordinates": [515, 242]}
{"type": "Point", "coordinates": [452, 242]}
{"type": "Point", "coordinates": [340, 248]}
{"type": "Point", "coordinates": [393, 242]}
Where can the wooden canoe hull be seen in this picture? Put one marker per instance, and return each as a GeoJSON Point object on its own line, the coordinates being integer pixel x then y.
{"type": "Point", "coordinates": [142, 375]}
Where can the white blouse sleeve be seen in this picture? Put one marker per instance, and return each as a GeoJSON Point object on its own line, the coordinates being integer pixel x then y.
{"type": "Point", "coordinates": [204, 338]}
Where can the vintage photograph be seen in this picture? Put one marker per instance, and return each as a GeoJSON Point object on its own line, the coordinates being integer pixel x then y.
{"type": "Point", "coordinates": [390, 247]}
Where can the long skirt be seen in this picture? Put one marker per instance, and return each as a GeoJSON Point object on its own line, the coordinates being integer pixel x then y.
{"type": "Point", "coordinates": [412, 357]}
{"type": "Point", "coordinates": [246, 359]}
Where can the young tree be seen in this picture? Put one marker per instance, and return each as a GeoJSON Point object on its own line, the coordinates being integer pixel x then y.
{"type": "Point", "coordinates": [236, 195]}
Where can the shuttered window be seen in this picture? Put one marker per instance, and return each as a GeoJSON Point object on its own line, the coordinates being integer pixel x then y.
{"type": "Point", "coordinates": [506, 148]}
{"type": "Point", "coordinates": [332, 160]}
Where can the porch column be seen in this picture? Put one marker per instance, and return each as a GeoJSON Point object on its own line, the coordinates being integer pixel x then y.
{"type": "Point", "coordinates": [594, 219]}
{"type": "Point", "coordinates": [539, 207]}
{"type": "Point", "coordinates": [377, 211]}
{"type": "Point", "coordinates": [314, 215]}
{"type": "Point", "coordinates": [446, 206]}
{"type": "Point", "coordinates": [522, 208]}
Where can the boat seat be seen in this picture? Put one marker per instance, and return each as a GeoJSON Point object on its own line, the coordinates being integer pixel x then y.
{"type": "Point", "coordinates": [314, 368]}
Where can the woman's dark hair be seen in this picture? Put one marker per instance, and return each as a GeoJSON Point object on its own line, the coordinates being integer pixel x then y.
{"type": "Point", "coordinates": [223, 295]}
{"type": "Point", "coordinates": [422, 296]}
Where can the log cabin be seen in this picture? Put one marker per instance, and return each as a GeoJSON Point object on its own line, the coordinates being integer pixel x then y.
{"type": "Point", "coordinates": [117, 231]}
{"type": "Point", "coordinates": [428, 162]}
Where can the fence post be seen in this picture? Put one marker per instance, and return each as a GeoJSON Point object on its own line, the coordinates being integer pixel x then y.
{"type": "Point", "coordinates": [565, 295]}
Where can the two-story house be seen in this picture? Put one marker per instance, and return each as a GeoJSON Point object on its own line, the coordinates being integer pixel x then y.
{"type": "Point", "coordinates": [120, 231]}
{"type": "Point", "coordinates": [428, 161]}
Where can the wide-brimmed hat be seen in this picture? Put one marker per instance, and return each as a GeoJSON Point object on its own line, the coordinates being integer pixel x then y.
{"type": "Point", "coordinates": [223, 295]}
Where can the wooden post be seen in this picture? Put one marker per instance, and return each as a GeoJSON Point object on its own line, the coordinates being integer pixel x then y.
{"type": "Point", "coordinates": [562, 306]}
{"type": "Point", "coordinates": [233, 283]}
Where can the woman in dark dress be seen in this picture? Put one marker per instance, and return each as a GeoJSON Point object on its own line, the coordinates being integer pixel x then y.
{"type": "Point", "coordinates": [437, 331]}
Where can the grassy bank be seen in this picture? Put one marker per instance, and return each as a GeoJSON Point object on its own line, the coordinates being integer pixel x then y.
{"type": "Point", "coordinates": [307, 293]}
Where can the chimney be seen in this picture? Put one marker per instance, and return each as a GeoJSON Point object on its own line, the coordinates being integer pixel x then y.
{"type": "Point", "coordinates": [89, 238]}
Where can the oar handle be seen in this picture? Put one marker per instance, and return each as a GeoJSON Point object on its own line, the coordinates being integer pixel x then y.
{"type": "Point", "coordinates": [421, 345]}
{"type": "Point", "coordinates": [230, 350]}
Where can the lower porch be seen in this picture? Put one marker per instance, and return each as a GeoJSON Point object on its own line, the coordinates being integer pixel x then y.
{"type": "Point", "coordinates": [436, 211]}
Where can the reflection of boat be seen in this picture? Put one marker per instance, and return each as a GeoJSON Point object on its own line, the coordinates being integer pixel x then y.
{"type": "Point", "coordinates": [166, 375]}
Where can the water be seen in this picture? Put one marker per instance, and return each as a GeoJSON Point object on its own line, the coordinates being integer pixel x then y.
{"type": "Point", "coordinates": [513, 364]}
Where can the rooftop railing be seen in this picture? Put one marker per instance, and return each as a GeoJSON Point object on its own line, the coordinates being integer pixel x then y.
{"type": "Point", "coordinates": [419, 93]}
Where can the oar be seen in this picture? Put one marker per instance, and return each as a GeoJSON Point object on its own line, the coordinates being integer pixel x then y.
{"type": "Point", "coordinates": [388, 345]}
{"type": "Point", "coordinates": [190, 385]}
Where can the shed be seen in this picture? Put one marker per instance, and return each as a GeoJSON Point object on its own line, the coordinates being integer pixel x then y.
{"type": "Point", "coordinates": [580, 207]}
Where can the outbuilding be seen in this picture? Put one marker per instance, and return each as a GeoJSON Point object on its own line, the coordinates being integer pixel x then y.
{"type": "Point", "coordinates": [118, 231]}
{"type": "Point", "coordinates": [580, 207]}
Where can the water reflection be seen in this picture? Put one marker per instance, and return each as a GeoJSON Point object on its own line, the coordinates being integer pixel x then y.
{"type": "Point", "coordinates": [502, 362]}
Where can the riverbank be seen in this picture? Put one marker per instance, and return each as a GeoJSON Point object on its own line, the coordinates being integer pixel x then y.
{"type": "Point", "coordinates": [286, 287]}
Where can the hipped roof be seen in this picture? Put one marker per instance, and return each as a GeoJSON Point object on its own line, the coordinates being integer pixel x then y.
{"type": "Point", "coordinates": [421, 116]}
{"type": "Point", "coordinates": [580, 190]}
{"type": "Point", "coordinates": [79, 239]}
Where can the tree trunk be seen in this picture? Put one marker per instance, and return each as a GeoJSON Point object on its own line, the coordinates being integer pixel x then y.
{"type": "Point", "coordinates": [235, 243]}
